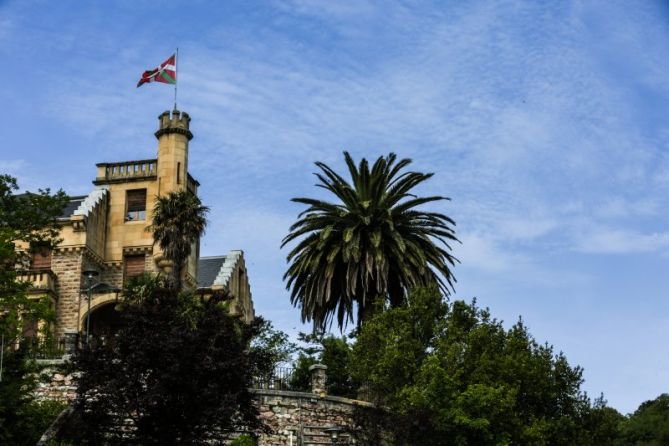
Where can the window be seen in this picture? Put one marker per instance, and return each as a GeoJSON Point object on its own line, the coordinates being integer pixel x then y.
{"type": "Point", "coordinates": [133, 266]}
{"type": "Point", "coordinates": [178, 173]}
{"type": "Point", "coordinates": [135, 205]}
{"type": "Point", "coordinates": [41, 258]}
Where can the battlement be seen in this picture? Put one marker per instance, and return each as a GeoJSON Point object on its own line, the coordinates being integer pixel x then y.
{"type": "Point", "coordinates": [174, 121]}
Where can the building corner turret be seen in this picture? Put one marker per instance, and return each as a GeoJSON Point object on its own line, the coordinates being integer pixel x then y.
{"type": "Point", "coordinates": [173, 136]}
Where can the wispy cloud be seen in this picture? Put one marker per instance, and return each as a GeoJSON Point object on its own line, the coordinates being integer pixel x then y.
{"type": "Point", "coordinates": [616, 241]}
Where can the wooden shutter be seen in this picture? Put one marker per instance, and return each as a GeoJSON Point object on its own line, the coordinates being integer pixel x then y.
{"type": "Point", "coordinates": [133, 266]}
{"type": "Point", "coordinates": [136, 200]}
{"type": "Point", "coordinates": [41, 259]}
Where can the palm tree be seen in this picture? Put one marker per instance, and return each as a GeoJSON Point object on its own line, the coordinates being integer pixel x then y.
{"type": "Point", "coordinates": [179, 220]}
{"type": "Point", "coordinates": [370, 247]}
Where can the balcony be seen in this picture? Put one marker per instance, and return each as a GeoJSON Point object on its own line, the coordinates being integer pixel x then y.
{"type": "Point", "coordinates": [192, 185]}
{"type": "Point", "coordinates": [42, 280]}
{"type": "Point", "coordinates": [126, 171]}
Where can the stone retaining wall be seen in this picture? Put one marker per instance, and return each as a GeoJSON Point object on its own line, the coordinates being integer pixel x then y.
{"type": "Point", "coordinates": [294, 418]}
{"type": "Point", "coordinates": [305, 417]}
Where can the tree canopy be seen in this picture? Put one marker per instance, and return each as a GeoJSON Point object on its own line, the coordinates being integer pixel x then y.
{"type": "Point", "coordinates": [179, 369]}
{"type": "Point", "coordinates": [373, 243]}
{"type": "Point", "coordinates": [450, 374]}
{"type": "Point", "coordinates": [28, 219]}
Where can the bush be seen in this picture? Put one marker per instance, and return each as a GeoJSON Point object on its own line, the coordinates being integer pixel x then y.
{"type": "Point", "coordinates": [243, 440]}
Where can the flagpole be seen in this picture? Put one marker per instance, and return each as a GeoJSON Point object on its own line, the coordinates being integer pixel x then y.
{"type": "Point", "coordinates": [176, 72]}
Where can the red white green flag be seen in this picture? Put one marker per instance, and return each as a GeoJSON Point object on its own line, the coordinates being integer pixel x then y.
{"type": "Point", "coordinates": [166, 73]}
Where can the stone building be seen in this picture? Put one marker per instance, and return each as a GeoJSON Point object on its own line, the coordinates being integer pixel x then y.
{"type": "Point", "coordinates": [106, 231]}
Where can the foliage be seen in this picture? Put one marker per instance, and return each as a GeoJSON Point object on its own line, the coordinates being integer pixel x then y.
{"type": "Point", "coordinates": [22, 419]}
{"type": "Point", "coordinates": [373, 244]}
{"type": "Point", "coordinates": [453, 375]}
{"type": "Point", "coordinates": [179, 369]}
{"type": "Point", "coordinates": [648, 425]}
{"type": "Point", "coordinates": [273, 344]}
{"type": "Point", "coordinates": [179, 220]}
{"type": "Point", "coordinates": [335, 353]}
{"type": "Point", "coordinates": [243, 440]}
{"type": "Point", "coordinates": [28, 220]}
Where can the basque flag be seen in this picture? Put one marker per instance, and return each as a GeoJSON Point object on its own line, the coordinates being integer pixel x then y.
{"type": "Point", "coordinates": [166, 73]}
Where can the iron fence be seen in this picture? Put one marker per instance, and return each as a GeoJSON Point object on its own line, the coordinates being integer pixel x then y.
{"type": "Point", "coordinates": [279, 379]}
{"type": "Point", "coordinates": [46, 348]}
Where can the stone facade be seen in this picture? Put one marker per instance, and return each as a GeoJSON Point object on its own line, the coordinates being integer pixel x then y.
{"type": "Point", "coordinates": [106, 228]}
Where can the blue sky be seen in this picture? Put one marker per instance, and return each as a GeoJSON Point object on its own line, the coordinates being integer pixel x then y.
{"type": "Point", "coordinates": [546, 123]}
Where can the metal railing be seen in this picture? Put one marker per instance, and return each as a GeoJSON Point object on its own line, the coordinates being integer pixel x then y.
{"type": "Point", "coordinates": [279, 379]}
{"type": "Point", "coordinates": [46, 348]}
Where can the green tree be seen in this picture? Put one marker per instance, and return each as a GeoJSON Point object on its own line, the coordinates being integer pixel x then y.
{"type": "Point", "coordinates": [273, 343]}
{"type": "Point", "coordinates": [331, 351]}
{"type": "Point", "coordinates": [648, 425]}
{"type": "Point", "coordinates": [179, 368]}
{"type": "Point", "coordinates": [26, 221]}
{"type": "Point", "coordinates": [179, 220]}
{"type": "Point", "coordinates": [372, 244]}
{"type": "Point", "coordinates": [29, 220]}
{"type": "Point", "coordinates": [23, 420]}
{"type": "Point", "coordinates": [453, 375]}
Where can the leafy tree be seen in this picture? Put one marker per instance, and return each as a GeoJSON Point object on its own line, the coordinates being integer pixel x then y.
{"type": "Point", "coordinates": [26, 220]}
{"type": "Point", "coordinates": [273, 344]}
{"type": "Point", "coordinates": [372, 244]}
{"type": "Point", "coordinates": [179, 368]}
{"type": "Point", "coordinates": [452, 375]}
{"type": "Point", "coordinates": [179, 220]}
{"type": "Point", "coordinates": [648, 425]}
{"type": "Point", "coordinates": [23, 420]}
{"type": "Point", "coordinates": [331, 351]}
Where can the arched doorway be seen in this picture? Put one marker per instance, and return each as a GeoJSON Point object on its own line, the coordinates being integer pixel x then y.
{"type": "Point", "coordinates": [105, 321]}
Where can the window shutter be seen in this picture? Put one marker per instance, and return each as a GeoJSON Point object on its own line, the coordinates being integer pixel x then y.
{"type": "Point", "coordinates": [133, 266]}
{"type": "Point", "coordinates": [137, 200]}
{"type": "Point", "coordinates": [42, 259]}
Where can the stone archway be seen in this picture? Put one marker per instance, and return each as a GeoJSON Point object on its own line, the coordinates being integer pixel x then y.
{"type": "Point", "coordinates": [105, 319]}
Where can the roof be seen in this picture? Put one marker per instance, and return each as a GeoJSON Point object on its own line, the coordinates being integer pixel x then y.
{"type": "Point", "coordinates": [217, 271]}
{"type": "Point", "coordinates": [72, 206]}
{"type": "Point", "coordinates": [207, 270]}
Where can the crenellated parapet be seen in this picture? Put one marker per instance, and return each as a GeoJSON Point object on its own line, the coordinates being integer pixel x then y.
{"type": "Point", "coordinates": [174, 121]}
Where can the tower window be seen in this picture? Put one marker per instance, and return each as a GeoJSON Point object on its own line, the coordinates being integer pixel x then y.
{"type": "Point", "coordinates": [178, 173]}
{"type": "Point", "coordinates": [135, 205]}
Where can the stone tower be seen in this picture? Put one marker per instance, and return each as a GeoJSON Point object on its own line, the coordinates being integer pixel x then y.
{"type": "Point", "coordinates": [173, 136]}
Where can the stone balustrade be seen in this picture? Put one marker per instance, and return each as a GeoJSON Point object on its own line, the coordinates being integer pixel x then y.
{"type": "Point", "coordinates": [42, 280]}
{"type": "Point", "coordinates": [126, 170]}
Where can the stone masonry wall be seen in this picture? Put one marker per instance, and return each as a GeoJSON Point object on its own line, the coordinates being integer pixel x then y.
{"type": "Point", "coordinates": [66, 264]}
{"type": "Point", "coordinates": [306, 416]}
{"type": "Point", "coordinates": [294, 418]}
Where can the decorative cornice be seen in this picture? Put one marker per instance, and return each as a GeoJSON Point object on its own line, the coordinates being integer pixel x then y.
{"type": "Point", "coordinates": [101, 181]}
{"type": "Point", "coordinates": [179, 131]}
{"type": "Point", "coordinates": [70, 248]}
{"type": "Point", "coordinates": [118, 163]}
{"type": "Point", "coordinates": [138, 249]}
{"type": "Point", "coordinates": [93, 257]}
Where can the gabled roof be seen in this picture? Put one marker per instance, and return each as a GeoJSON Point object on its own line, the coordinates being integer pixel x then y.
{"type": "Point", "coordinates": [207, 270]}
{"type": "Point", "coordinates": [83, 204]}
{"type": "Point", "coordinates": [217, 270]}
{"type": "Point", "coordinates": [72, 206]}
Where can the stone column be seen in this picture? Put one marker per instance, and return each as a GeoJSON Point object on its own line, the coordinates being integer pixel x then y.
{"type": "Point", "coordinates": [70, 337]}
{"type": "Point", "coordinates": [319, 378]}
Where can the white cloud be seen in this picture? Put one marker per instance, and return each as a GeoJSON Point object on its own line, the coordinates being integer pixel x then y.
{"type": "Point", "coordinates": [616, 241]}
